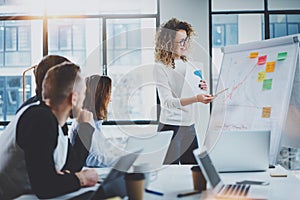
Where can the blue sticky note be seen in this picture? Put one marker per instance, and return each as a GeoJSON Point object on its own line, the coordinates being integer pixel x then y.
{"type": "Point", "coordinates": [198, 73]}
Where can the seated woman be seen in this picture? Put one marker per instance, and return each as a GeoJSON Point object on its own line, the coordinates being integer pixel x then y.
{"type": "Point", "coordinates": [103, 152]}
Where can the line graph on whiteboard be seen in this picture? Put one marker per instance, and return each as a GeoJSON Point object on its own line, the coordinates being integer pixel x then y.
{"type": "Point", "coordinates": [241, 105]}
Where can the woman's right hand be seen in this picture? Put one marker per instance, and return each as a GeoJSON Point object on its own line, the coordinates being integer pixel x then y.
{"type": "Point", "coordinates": [204, 98]}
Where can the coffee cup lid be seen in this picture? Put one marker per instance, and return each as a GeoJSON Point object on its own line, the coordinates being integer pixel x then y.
{"type": "Point", "coordinates": [196, 168]}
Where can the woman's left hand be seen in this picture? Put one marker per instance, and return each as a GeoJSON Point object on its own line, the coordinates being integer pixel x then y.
{"type": "Point", "coordinates": [203, 85]}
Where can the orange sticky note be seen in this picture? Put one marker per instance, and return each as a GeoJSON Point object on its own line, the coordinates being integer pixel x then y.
{"type": "Point", "coordinates": [253, 54]}
{"type": "Point", "coordinates": [261, 76]}
{"type": "Point", "coordinates": [270, 66]}
{"type": "Point", "coordinates": [262, 60]}
{"type": "Point", "coordinates": [266, 112]}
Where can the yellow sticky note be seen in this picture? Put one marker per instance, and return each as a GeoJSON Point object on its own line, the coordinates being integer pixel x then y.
{"type": "Point", "coordinates": [270, 66]}
{"type": "Point", "coordinates": [253, 54]}
{"type": "Point", "coordinates": [266, 112]}
{"type": "Point", "coordinates": [261, 76]}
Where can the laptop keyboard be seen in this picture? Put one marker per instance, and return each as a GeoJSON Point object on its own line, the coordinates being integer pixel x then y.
{"type": "Point", "coordinates": [233, 191]}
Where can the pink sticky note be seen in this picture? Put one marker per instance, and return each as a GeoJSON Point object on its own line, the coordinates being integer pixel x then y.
{"type": "Point", "coordinates": [262, 60]}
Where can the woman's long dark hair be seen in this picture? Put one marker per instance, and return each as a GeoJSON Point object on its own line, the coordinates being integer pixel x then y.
{"type": "Point", "coordinates": [98, 91]}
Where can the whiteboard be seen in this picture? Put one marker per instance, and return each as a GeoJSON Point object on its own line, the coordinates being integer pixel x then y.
{"type": "Point", "coordinates": [259, 77]}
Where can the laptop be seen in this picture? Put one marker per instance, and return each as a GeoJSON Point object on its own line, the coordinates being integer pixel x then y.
{"type": "Point", "coordinates": [155, 147]}
{"type": "Point", "coordinates": [229, 191]}
{"type": "Point", "coordinates": [240, 150]}
{"type": "Point", "coordinates": [114, 184]}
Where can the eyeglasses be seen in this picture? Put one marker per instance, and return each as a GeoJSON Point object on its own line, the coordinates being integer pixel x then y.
{"type": "Point", "coordinates": [183, 41]}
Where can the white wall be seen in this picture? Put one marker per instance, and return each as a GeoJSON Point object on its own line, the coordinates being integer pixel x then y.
{"type": "Point", "coordinates": [195, 12]}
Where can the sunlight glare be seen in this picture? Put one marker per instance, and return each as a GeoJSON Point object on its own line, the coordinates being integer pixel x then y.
{"type": "Point", "coordinates": [69, 7]}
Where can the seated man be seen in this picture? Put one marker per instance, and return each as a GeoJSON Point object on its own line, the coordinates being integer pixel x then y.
{"type": "Point", "coordinates": [35, 154]}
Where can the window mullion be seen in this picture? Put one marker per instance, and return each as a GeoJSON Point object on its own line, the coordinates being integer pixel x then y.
{"type": "Point", "coordinates": [104, 44]}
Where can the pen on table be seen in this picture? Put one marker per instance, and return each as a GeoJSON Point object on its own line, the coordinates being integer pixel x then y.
{"type": "Point", "coordinates": [154, 192]}
{"type": "Point", "coordinates": [188, 193]}
{"type": "Point", "coordinates": [278, 175]}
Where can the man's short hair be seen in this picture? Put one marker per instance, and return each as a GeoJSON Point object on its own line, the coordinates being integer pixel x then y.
{"type": "Point", "coordinates": [60, 81]}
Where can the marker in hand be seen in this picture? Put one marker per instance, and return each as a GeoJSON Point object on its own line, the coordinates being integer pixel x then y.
{"type": "Point", "coordinates": [198, 73]}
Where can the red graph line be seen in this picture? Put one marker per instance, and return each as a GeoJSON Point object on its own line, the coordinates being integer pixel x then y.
{"type": "Point", "coordinates": [235, 87]}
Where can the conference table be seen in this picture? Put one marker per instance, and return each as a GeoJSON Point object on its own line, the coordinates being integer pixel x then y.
{"type": "Point", "coordinates": [174, 179]}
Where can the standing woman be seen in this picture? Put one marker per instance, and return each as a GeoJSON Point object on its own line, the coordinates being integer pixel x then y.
{"type": "Point", "coordinates": [172, 40]}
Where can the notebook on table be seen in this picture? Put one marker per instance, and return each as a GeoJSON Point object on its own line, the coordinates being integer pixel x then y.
{"type": "Point", "coordinates": [154, 146]}
{"type": "Point", "coordinates": [226, 191]}
{"type": "Point", "coordinates": [240, 150]}
{"type": "Point", "coordinates": [114, 184]}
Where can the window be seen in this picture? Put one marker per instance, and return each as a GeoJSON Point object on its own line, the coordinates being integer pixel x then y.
{"type": "Point", "coordinates": [99, 36]}
{"type": "Point", "coordinates": [237, 5]}
{"type": "Point", "coordinates": [232, 29]}
{"type": "Point", "coordinates": [67, 38]}
{"type": "Point", "coordinates": [15, 41]}
{"type": "Point", "coordinates": [10, 38]}
{"type": "Point", "coordinates": [17, 36]}
{"type": "Point", "coordinates": [128, 54]}
{"type": "Point", "coordinates": [16, 55]}
{"type": "Point", "coordinates": [282, 25]}
{"type": "Point", "coordinates": [225, 30]}
{"type": "Point", "coordinates": [124, 41]}
{"type": "Point", "coordinates": [283, 4]}
{"type": "Point", "coordinates": [1, 38]}
{"type": "Point", "coordinates": [11, 94]}
{"type": "Point", "coordinates": [24, 38]}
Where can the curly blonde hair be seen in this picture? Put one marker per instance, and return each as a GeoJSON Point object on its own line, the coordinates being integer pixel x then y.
{"type": "Point", "coordinates": [164, 41]}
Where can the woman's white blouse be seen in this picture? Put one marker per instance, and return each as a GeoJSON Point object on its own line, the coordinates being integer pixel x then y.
{"type": "Point", "coordinates": [169, 83]}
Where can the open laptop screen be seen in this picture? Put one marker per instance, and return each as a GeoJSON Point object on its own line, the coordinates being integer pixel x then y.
{"type": "Point", "coordinates": [114, 184]}
{"type": "Point", "coordinates": [155, 147]}
{"type": "Point", "coordinates": [240, 150]}
{"type": "Point", "coordinates": [209, 169]}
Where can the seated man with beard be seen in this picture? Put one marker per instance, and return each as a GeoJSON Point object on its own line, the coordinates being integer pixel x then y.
{"type": "Point", "coordinates": [35, 154]}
